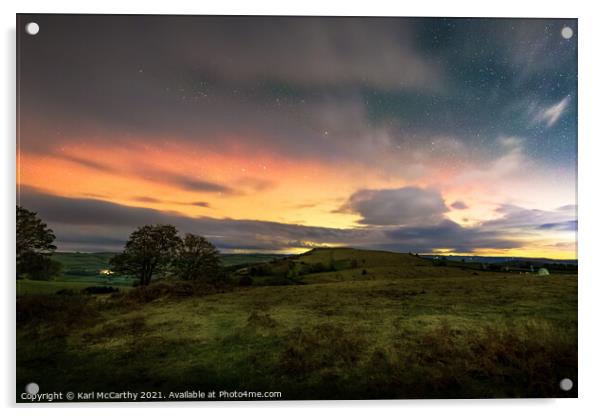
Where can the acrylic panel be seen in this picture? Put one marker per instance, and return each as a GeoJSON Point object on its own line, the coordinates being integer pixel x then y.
{"type": "Point", "coordinates": [286, 208]}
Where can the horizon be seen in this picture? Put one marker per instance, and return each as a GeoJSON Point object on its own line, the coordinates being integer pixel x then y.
{"type": "Point", "coordinates": [250, 253]}
{"type": "Point", "coordinates": [281, 134]}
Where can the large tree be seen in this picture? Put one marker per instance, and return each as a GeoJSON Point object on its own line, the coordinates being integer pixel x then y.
{"type": "Point", "coordinates": [198, 259]}
{"type": "Point", "coordinates": [150, 249]}
{"type": "Point", "coordinates": [34, 246]}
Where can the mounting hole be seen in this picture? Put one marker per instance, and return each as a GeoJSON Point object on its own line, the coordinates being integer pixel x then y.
{"type": "Point", "coordinates": [566, 384]}
{"type": "Point", "coordinates": [32, 388]}
{"type": "Point", "coordinates": [566, 32]}
{"type": "Point", "coordinates": [32, 28]}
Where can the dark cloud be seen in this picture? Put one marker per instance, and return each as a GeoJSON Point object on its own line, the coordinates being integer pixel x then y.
{"type": "Point", "coordinates": [216, 75]}
{"type": "Point", "coordinates": [570, 225]}
{"type": "Point", "coordinates": [147, 199]}
{"type": "Point", "coordinates": [184, 182]}
{"type": "Point", "coordinates": [449, 234]}
{"type": "Point", "coordinates": [80, 219]}
{"type": "Point", "coordinates": [188, 183]}
{"type": "Point", "coordinates": [517, 218]}
{"type": "Point", "coordinates": [202, 204]}
{"type": "Point", "coordinates": [91, 164]}
{"type": "Point", "coordinates": [163, 201]}
{"type": "Point", "coordinates": [459, 205]}
{"type": "Point", "coordinates": [409, 205]}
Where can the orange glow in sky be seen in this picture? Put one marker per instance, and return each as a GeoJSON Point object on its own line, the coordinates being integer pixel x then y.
{"type": "Point", "coordinates": [261, 186]}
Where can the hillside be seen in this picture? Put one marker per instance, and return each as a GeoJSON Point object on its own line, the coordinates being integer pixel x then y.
{"type": "Point", "coordinates": [361, 258]}
{"type": "Point", "coordinates": [326, 265]}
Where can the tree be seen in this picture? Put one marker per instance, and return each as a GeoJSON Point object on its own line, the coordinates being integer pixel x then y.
{"type": "Point", "coordinates": [34, 245]}
{"type": "Point", "coordinates": [39, 267]}
{"type": "Point", "coordinates": [149, 250]}
{"type": "Point", "coordinates": [198, 259]}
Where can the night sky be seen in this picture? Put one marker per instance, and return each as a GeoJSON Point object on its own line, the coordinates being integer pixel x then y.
{"type": "Point", "coordinates": [279, 134]}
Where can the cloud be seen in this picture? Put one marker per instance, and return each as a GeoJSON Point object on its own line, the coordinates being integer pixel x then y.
{"type": "Point", "coordinates": [510, 143]}
{"type": "Point", "coordinates": [550, 115]}
{"type": "Point", "coordinates": [409, 205]}
{"type": "Point", "coordinates": [572, 208]}
{"type": "Point", "coordinates": [255, 184]}
{"type": "Point", "coordinates": [570, 225]}
{"type": "Point", "coordinates": [515, 218]}
{"type": "Point", "coordinates": [86, 221]}
{"type": "Point", "coordinates": [325, 52]}
{"type": "Point", "coordinates": [450, 235]}
{"type": "Point", "coordinates": [428, 102]}
{"type": "Point", "coordinates": [91, 164]}
{"type": "Point", "coordinates": [459, 205]}
{"type": "Point", "coordinates": [188, 183]}
{"type": "Point", "coordinates": [94, 225]}
{"type": "Point", "coordinates": [153, 200]}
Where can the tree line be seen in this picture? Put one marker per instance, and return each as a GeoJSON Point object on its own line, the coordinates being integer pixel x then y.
{"type": "Point", "coordinates": [153, 250]}
{"type": "Point", "coordinates": [150, 251]}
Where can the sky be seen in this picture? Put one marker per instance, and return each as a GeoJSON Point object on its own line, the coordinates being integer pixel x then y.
{"type": "Point", "coordinates": [280, 134]}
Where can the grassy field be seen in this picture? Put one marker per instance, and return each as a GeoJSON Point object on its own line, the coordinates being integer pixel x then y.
{"type": "Point", "coordinates": [378, 325]}
{"type": "Point", "coordinates": [82, 270]}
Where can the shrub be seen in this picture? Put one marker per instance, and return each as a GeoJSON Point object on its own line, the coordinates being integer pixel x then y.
{"type": "Point", "coordinates": [309, 268]}
{"type": "Point", "coordinates": [38, 267]}
{"type": "Point", "coordinates": [66, 311]}
{"type": "Point", "coordinates": [65, 292]}
{"type": "Point", "coordinates": [98, 290]}
{"type": "Point", "coordinates": [176, 289]}
{"type": "Point", "coordinates": [245, 281]}
{"type": "Point", "coordinates": [262, 269]}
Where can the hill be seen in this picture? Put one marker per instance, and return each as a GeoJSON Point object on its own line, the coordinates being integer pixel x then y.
{"type": "Point", "coordinates": [347, 256]}
{"type": "Point", "coordinates": [326, 265]}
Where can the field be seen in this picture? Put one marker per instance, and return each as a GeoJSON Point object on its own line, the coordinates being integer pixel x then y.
{"type": "Point", "coordinates": [363, 324]}
{"type": "Point", "coordinates": [81, 270]}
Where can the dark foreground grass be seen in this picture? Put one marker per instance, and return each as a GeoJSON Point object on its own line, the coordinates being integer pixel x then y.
{"type": "Point", "coordinates": [423, 337]}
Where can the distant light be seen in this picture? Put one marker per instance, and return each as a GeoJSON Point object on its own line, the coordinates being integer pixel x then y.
{"type": "Point", "coordinates": [566, 32]}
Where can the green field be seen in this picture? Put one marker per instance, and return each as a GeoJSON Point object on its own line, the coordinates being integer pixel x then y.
{"type": "Point", "coordinates": [375, 325]}
{"type": "Point", "coordinates": [82, 270]}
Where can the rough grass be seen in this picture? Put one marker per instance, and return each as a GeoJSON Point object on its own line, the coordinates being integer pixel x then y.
{"type": "Point", "coordinates": [40, 287]}
{"type": "Point", "coordinates": [387, 336]}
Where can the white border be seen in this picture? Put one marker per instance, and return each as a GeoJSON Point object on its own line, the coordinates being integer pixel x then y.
{"type": "Point", "coordinates": [590, 288]}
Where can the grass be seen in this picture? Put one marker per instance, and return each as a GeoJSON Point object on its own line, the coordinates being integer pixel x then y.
{"type": "Point", "coordinates": [403, 330]}
{"type": "Point", "coordinates": [42, 287]}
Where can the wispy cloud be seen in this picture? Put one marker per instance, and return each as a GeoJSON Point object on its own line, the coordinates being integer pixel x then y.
{"type": "Point", "coordinates": [550, 115]}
